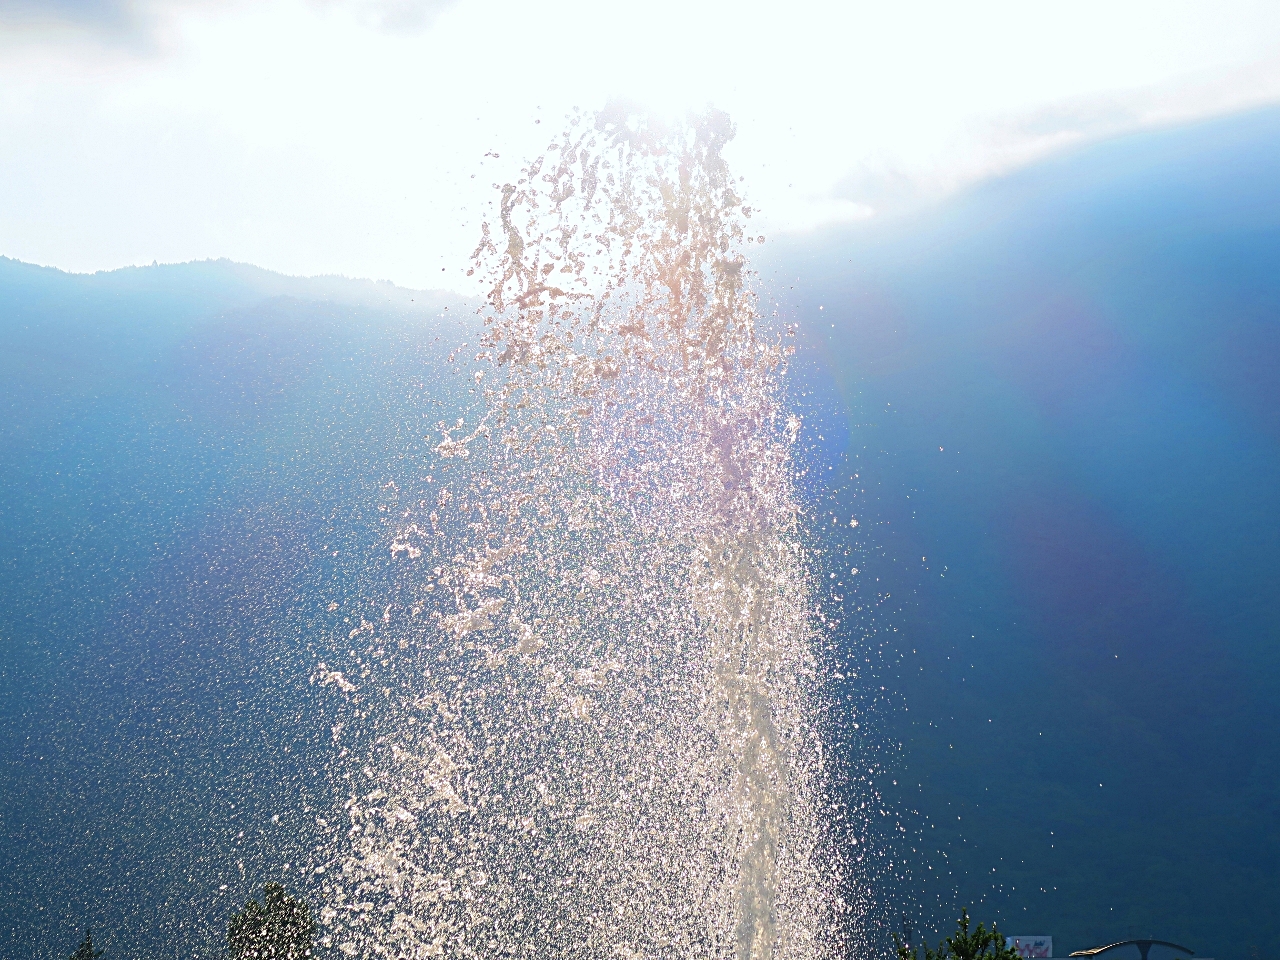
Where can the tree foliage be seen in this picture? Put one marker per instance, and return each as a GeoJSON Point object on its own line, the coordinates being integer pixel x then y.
{"type": "Point", "coordinates": [279, 928]}
{"type": "Point", "coordinates": [85, 951]}
{"type": "Point", "coordinates": [981, 944]}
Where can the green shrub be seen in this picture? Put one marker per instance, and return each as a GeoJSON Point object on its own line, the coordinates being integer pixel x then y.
{"type": "Point", "coordinates": [85, 951]}
{"type": "Point", "coordinates": [279, 928]}
{"type": "Point", "coordinates": [981, 944]}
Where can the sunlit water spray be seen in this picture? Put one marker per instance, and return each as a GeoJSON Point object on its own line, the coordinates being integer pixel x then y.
{"type": "Point", "coordinates": [593, 731]}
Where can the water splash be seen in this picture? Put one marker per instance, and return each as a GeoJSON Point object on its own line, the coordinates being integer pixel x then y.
{"type": "Point", "coordinates": [593, 731]}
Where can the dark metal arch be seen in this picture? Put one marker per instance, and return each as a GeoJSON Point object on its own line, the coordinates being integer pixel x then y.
{"type": "Point", "coordinates": [1143, 947]}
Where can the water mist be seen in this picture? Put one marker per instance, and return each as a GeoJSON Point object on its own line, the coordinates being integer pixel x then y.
{"type": "Point", "coordinates": [593, 729]}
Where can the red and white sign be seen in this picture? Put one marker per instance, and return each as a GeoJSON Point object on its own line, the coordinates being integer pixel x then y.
{"type": "Point", "coordinates": [1030, 946]}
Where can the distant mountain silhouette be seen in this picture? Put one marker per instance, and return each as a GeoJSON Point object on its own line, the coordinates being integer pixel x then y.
{"type": "Point", "coordinates": [1062, 388]}
{"type": "Point", "coordinates": [1060, 392]}
{"type": "Point", "coordinates": [208, 286]}
{"type": "Point", "coordinates": [192, 459]}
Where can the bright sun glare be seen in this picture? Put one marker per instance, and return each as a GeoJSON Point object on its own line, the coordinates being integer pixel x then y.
{"type": "Point", "coordinates": [350, 137]}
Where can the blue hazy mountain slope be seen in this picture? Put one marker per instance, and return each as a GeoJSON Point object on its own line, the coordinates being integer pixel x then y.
{"type": "Point", "coordinates": [1060, 394]}
{"type": "Point", "coordinates": [1058, 399]}
{"type": "Point", "coordinates": [194, 468]}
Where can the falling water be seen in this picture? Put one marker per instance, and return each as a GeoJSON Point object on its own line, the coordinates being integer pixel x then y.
{"type": "Point", "coordinates": [591, 730]}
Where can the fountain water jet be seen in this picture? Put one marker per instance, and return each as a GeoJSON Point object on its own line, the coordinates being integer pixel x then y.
{"type": "Point", "coordinates": [594, 732]}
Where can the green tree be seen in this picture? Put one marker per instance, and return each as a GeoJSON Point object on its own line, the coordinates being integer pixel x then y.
{"type": "Point", "coordinates": [85, 951]}
{"type": "Point", "coordinates": [981, 944]}
{"type": "Point", "coordinates": [279, 928]}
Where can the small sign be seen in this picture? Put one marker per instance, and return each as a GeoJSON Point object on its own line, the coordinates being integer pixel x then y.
{"type": "Point", "coordinates": [1030, 946]}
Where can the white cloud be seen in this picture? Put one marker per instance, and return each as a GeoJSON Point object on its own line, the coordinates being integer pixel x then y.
{"type": "Point", "coordinates": [349, 136]}
{"type": "Point", "coordinates": [141, 26]}
{"type": "Point", "coordinates": [94, 12]}
{"type": "Point", "coordinates": [394, 15]}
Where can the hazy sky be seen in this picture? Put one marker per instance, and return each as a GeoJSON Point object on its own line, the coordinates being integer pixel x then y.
{"type": "Point", "coordinates": [347, 136]}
